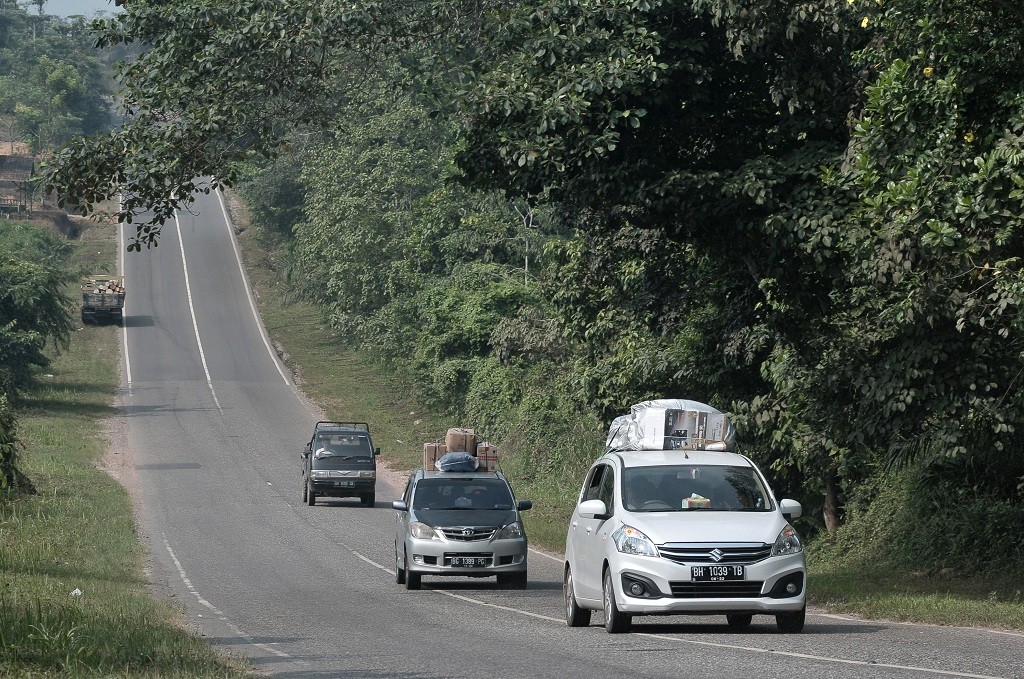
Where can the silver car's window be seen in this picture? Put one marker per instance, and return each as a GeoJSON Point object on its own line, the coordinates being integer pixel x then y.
{"type": "Point", "coordinates": [694, 488]}
{"type": "Point", "coordinates": [462, 494]}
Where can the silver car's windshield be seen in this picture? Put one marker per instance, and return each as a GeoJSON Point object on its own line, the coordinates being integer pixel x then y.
{"type": "Point", "coordinates": [693, 488]}
{"type": "Point", "coordinates": [462, 494]}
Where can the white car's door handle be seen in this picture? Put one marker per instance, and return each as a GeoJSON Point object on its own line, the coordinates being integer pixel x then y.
{"type": "Point", "coordinates": [590, 528]}
{"type": "Point", "coordinates": [575, 523]}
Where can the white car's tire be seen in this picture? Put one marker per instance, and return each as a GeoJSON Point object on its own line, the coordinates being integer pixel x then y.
{"type": "Point", "coordinates": [615, 621]}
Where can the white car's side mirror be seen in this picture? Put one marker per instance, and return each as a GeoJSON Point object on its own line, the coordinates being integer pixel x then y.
{"type": "Point", "coordinates": [791, 509]}
{"type": "Point", "coordinates": [593, 509]}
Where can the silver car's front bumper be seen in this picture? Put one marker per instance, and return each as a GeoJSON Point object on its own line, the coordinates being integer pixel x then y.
{"type": "Point", "coordinates": [434, 556]}
{"type": "Point", "coordinates": [677, 593]}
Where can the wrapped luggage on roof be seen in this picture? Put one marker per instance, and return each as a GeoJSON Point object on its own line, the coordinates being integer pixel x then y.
{"type": "Point", "coordinates": [671, 424]}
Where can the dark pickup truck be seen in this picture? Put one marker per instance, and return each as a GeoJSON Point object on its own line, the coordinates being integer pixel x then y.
{"type": "Point", "coordinates": [340, 460]}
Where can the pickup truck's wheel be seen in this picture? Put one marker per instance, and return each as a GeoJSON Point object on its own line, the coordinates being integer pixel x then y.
{"type": "Point", "coordinates": [615, 621]}
{"type": "Point", "coordinates": [310, 496]}
{"type": "Point", "coordinates": [369, 499]}
{"type": "Point", "coordinates": [574, 615]}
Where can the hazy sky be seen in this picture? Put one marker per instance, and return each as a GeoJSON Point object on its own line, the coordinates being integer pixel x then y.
{"type": "Point", "coordinates": [87, 8]}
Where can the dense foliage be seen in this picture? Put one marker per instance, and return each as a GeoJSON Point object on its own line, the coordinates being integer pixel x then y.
{"type": "Point", "coordinates": [34, 311]}
{"type": "Point", "coordinates": [52, 86]}
{"type": "Point", "coordinates": [807, 212]}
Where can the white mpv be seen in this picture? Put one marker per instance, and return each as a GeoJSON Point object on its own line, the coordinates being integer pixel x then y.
{"type": "Point", "coordinates": [682, 532]}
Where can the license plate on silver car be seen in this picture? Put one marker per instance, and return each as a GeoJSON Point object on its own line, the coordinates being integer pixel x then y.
{"type": "Point", "coordinates": [715, 573]}
{"type": "Point", "coordinates": [470, 561]}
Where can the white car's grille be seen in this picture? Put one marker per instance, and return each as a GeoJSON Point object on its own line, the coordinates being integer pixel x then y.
{"type": "Point", "coordinates": [716, 590]}
{"type": "Point", "coordinates": [724, 553]}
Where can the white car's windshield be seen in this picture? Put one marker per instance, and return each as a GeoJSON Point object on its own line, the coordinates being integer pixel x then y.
{"type": "Point", "coordinates": [693, 488]}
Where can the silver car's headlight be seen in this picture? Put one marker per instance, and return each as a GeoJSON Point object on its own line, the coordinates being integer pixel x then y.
{"type": "Point", "coordinates": [367, 475]}
{"type": "Point", "coordinates": [513, 531]}
{"type": "Point", "coordinates": [788, 542]}
{"type": "Point", "coordinates": [422, 531]}
{"type": "Point", "coordinates": [629, 540]}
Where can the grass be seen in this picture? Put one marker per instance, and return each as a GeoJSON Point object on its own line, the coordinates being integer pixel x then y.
{"type": "Point", "coordinates": [74, 599]}
{"type": "Point", "coordinates": [876, 591]}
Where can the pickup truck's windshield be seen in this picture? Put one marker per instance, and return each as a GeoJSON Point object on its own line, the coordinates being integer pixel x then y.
{"type": "Point", "coordinates": [341, 445]}
{"type": "Point", "coordinates": [462, 494]}
{"type": "Point", "coordinates": [693, 487]}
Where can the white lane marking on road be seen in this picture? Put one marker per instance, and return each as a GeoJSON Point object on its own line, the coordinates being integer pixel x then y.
{"type": "Point", "coordinates": [821, 658]}
{"type": "Point", "coordinates": [220, 614]}
{"type": "Point", "coordinates": [124, 328]}
{"type": "Point", "coordinates": [851, 618]}
{"type": "Point", "coordinates": [546, 556]}
{"type": "Point", "coordinates": [192, 310]}
{"type": "Point", "coordinates": [248, 290]}
{"type": "Point", "coordinates": [734, 647]}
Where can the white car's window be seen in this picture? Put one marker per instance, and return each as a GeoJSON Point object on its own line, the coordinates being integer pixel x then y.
{"type": "Point", "coordinates": [694, 488]}
{"type": "Point", "coordinates": [592, 488]}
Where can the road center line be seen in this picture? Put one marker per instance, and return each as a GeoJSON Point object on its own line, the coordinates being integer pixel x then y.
{"type": "Point", "coordinates": [192, 310]}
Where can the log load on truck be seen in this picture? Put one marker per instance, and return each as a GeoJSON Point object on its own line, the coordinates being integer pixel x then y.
{"type": "Point", "coordinates": [102, 298]}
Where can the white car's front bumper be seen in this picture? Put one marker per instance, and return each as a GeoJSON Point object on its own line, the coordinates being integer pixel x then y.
{"type": "Point", "coordinates": [677, 593]}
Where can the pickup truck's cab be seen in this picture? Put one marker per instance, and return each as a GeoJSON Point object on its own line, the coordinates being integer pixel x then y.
{"type": "Point", "coordinates": [340, 460]}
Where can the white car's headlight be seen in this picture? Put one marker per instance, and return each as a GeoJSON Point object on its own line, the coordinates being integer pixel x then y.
{"type": "Point", "coordinates": [629, 540]}
{"type": "Point", "coordinates": [422, 531]}
{"type": "Point", "coordinates": [788, 542]}
{"type": "Point", "coordinates": [513, 531]}
{"type": "Point", "coordinates": [367, 475]}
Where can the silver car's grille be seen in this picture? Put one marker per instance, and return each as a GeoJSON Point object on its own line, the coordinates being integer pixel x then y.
{"type": "Point", "coordinates": [467, 533]}
{"type": "Point", "coordinates": [715, 553]}
{"type": "Point", "coordinates": [716, 590]}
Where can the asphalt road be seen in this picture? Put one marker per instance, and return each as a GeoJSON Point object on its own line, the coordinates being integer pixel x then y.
{"type": "Point", "coordinates": [215, 426]}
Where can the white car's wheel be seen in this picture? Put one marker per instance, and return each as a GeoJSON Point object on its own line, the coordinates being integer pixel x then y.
{"type": "Point", "coordinates": [791, 623]}
{"type": "Point", "coordinates": [615, 621]}
{"type": "Point", "coordinates": [574, 615]}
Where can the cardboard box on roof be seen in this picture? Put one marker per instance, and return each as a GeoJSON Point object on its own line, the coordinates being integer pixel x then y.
{"type": "Point", "coordinates": [461, 440]}
{"type": "Point", "coordinates": [432, 452]}
{"type": "Point", "coordinates": [487, 455]}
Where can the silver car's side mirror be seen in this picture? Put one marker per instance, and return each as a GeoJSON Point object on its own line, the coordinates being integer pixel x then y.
{"type": "Point", "coordinates": [399, 505]}
{"type": "Point", "coordinates": [593, 509]}
{"type": "Point", "coordinates": [791, 509]}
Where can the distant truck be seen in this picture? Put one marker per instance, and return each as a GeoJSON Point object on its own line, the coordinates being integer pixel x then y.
{"type": "Point", "coordinates": [102, 298]}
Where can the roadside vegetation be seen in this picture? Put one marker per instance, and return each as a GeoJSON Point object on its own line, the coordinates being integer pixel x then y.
{"type": "Point", "coordinates": [74, 599]}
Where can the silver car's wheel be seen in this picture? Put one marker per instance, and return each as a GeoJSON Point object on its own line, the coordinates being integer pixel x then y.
{"type": "Point", "coordinates": [399, 568]}
{"type": "Point", "coordinates": [615, 621]}
{"type": "Point", "coordinates": [412, 580]}
{"type": "Point", "coordinates": [574, 615]}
